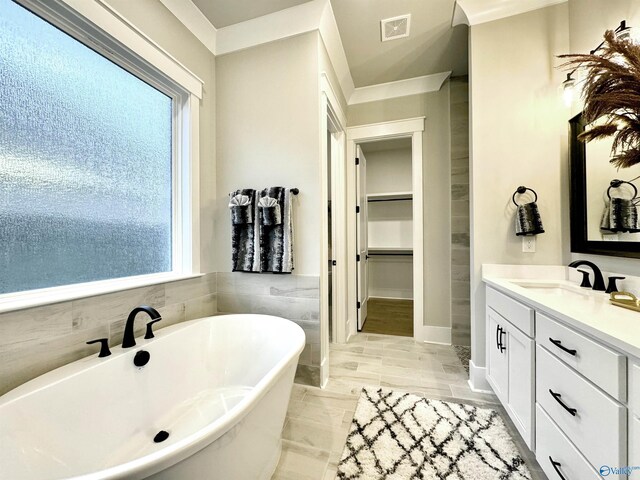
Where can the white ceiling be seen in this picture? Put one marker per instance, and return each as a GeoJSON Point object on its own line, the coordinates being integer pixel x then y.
{"type": "Point", "coordinates": [222, 13]}
{"type": "Point", "coordinates": [432, 47]}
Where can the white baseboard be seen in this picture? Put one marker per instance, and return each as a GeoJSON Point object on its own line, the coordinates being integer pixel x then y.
{"type": "Point", "coordinates": [478, 379]}
{"type": "Point", "coordinates": [439, 335]}
{"type": "Point", "coordinates": [324, 373]}
{"type": "Point", "coordinates": [395, 296]}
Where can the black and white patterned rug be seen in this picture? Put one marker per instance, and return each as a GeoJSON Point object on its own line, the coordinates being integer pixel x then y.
{"type": "Point", "coordinates": [397, 436]}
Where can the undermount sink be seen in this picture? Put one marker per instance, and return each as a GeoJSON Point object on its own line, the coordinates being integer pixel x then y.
{"type": "Point", "coordinates": [556, 289]}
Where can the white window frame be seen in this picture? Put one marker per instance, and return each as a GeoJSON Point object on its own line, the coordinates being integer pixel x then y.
{"type": "Point", "coordinates": [98, 26]}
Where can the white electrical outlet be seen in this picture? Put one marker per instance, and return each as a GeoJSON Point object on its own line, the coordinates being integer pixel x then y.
{"type": "Point", "coordinates": [529, 243]}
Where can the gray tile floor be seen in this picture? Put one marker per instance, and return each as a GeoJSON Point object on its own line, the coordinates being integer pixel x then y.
{"type": "Point", "coordinates": [318, 420]}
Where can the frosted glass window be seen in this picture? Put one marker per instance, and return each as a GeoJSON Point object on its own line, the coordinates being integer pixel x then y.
{"type": "Point", "coordinates": [85, 162]}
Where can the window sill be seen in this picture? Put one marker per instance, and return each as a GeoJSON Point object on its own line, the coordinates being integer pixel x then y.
{"type": "Point", "coordinates": [10, 302]}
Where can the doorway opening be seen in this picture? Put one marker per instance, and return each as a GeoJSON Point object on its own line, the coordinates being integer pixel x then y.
{"type": "Point", "coordinates": [385, 236]}
{"type": "Point", "coordinates": [365, 275]}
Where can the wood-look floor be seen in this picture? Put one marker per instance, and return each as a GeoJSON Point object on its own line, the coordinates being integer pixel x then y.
{"type": "Point", "coordinates": [319, 419]}
{"type": "Point", "coordinates": [389, 317]}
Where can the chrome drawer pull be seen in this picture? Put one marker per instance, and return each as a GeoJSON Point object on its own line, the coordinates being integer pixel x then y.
{"type": "Point", "coordinates": [558, 344]}
{"type": "Point", "coordinates": [557, 397]}
{"type": "Point", "coordinates": [556, 466]}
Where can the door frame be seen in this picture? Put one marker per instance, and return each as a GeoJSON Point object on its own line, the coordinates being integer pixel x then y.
{"type": "Point", "coordinates": [332, 119]}
{"type": "Point", "coordinates": [408, 128]}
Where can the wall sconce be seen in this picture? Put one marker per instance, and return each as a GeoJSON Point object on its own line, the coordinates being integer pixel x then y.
{"type": "Point", "coordinates": [568, 89]}
{"type": "Point", "coordinates": [623, 32]}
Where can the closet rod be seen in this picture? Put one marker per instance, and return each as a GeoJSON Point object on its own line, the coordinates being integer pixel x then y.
{"type": "Point", "coordinates": [390, 254]}
{"type": "Point", "coordinates": [390, 200]}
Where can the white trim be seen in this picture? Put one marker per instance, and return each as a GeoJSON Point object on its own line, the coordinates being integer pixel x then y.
{"type": "Point", "coordinates": [332, 98]}
{"type": "Point", "coordinates": [478, 378]}
{"type": "Point", "coordinates": [286, 23]}
{"type": "Point", "coordinates": [401, 88]}
{"type": "Point", "coordinates": [482, 11]}
{"type": "Point", "coordinates": [307, 17]}
{"type": "Point", "coordinates": [106, 18]}
{"type": "Point", "coordinates": [438, 335]}
{"type": "Point", "coordinates": [331, 37]}
{"type": "Point", "coordinates": [195, 21]}
{"type": "Point", "coordinates": [383, 130]}
{"type": "Point", "coordinates": [414, 128]}
{"type": "Point", "coordinates": [36, 298]}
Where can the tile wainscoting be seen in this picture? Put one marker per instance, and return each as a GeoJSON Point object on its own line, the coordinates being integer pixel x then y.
{"type": "Point", "coordinates": [295, 297]}
{"type": "Point", "coordinates": [37, 340]}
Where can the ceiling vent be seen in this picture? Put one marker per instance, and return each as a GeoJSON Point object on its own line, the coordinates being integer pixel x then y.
{"type": "Point", "coordinates": [396, 27]}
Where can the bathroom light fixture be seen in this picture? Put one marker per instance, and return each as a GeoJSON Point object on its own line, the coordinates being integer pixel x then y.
{"type": "Point", "coordinates": [622, 32]}
{"type": "Point", "coordinates": [568, 89]}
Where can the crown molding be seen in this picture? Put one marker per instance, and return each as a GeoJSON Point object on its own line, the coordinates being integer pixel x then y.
{"type": "Point", "coordinates": [475, 12]}
{"type": "Point", "coordinates": [195, 21]}
{"type": "Point", "coordinates": [401, 88]}
{"type": "Point", "coordinates": [269, 28]}
{"type": "Point", "coordinates": [316, 15]}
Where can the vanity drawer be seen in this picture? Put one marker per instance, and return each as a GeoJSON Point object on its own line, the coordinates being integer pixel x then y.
{"type": "Point", "coordinates": [634, 388]}
{"type": "Point", "coordinates": [515, 312]}
{"type": "Point", "coordinates": [553, 445]}
{"type": "Point", "coordinates": [603, 366]}
{"type": "Point", "coordinates": [597, 426]}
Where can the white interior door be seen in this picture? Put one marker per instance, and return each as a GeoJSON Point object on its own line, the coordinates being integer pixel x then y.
{"type": "Point", "coordinates": [362, 240]}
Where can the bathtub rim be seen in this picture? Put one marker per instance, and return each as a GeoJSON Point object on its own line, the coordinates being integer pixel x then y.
{"type": "Point", "coordinates": [170, 455]}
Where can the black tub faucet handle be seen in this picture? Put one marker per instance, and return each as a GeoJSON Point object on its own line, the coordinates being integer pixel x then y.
{"type": "Point", "coordinates": [149, 333]}
{"type": "Point", "coordinates": [104, 346]}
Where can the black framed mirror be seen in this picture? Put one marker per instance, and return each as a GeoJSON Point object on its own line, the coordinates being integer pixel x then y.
{"type": "Point", "coordinates": [591, 175]}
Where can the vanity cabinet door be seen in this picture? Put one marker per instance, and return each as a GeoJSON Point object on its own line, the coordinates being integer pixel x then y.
{"type": "Point", "coordinates": [521, 350]}
{"type": "Point", "coordinates": [498, 368]}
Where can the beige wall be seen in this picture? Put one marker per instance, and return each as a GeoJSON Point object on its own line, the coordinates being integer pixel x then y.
{"type": "Point", "coordinates": [437, 186]}
{"type": "Point", "coordinates": [518, 137]}
{"type": "Point", "coordinates": [267, 134]}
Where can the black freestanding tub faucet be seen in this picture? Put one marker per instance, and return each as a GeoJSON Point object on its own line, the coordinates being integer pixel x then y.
{"type": "Point", "coordinates": [128, 340]}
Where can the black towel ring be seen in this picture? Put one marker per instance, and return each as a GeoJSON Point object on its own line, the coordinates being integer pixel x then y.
{"type": "Point", "coordinates": [520, 190]}
{"type": "Point", "coordinates": [617, 184]}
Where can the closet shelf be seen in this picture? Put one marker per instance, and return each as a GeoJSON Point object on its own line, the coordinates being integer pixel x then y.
{"type": "Point", "coordinates": [389, 196]}
{"type": "Point", "coordinates": [390, 251]}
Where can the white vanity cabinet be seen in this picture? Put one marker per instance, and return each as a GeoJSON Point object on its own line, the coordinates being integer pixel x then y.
{"type": "Point", "coordinates": [574, 398]}
{"type": "Point", "coordinates": [510, 359]}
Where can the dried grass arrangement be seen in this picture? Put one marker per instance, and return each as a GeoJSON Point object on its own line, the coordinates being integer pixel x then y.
{"type": "Point", "coordinates": [611, 94]}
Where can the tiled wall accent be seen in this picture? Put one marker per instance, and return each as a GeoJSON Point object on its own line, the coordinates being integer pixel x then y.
{"type": "Point", "coordinates": [460, 271]}
{"type": "Point", "coordinates": [295, 297]}
{"type": "Point", "coordinates": [37, 340]}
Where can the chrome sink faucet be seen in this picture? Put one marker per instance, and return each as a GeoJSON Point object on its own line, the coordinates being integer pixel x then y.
{"type": "Point", "coordinates": [598, 279]}
{"type": "Point", "coordinates": [128, 340]}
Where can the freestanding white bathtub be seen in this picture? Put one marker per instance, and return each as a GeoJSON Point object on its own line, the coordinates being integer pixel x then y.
{"type": "Point", "coordinates": [219, 386]}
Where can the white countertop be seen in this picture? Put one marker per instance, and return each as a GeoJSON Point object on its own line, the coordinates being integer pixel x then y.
{"type": "Point", "coordinates": [587, 311]}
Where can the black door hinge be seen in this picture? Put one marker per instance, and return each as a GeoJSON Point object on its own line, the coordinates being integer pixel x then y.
{"type": "Point", "coordinates": [357, 161]}
{"type": "Point", "coordinates": [357, 209]}
{"type": "Point", "coordinates": [334, 263]}
{"type": "Point", "coordinates": [357, 258]}
{"type": "Point", "coordinates": [358, 304]}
